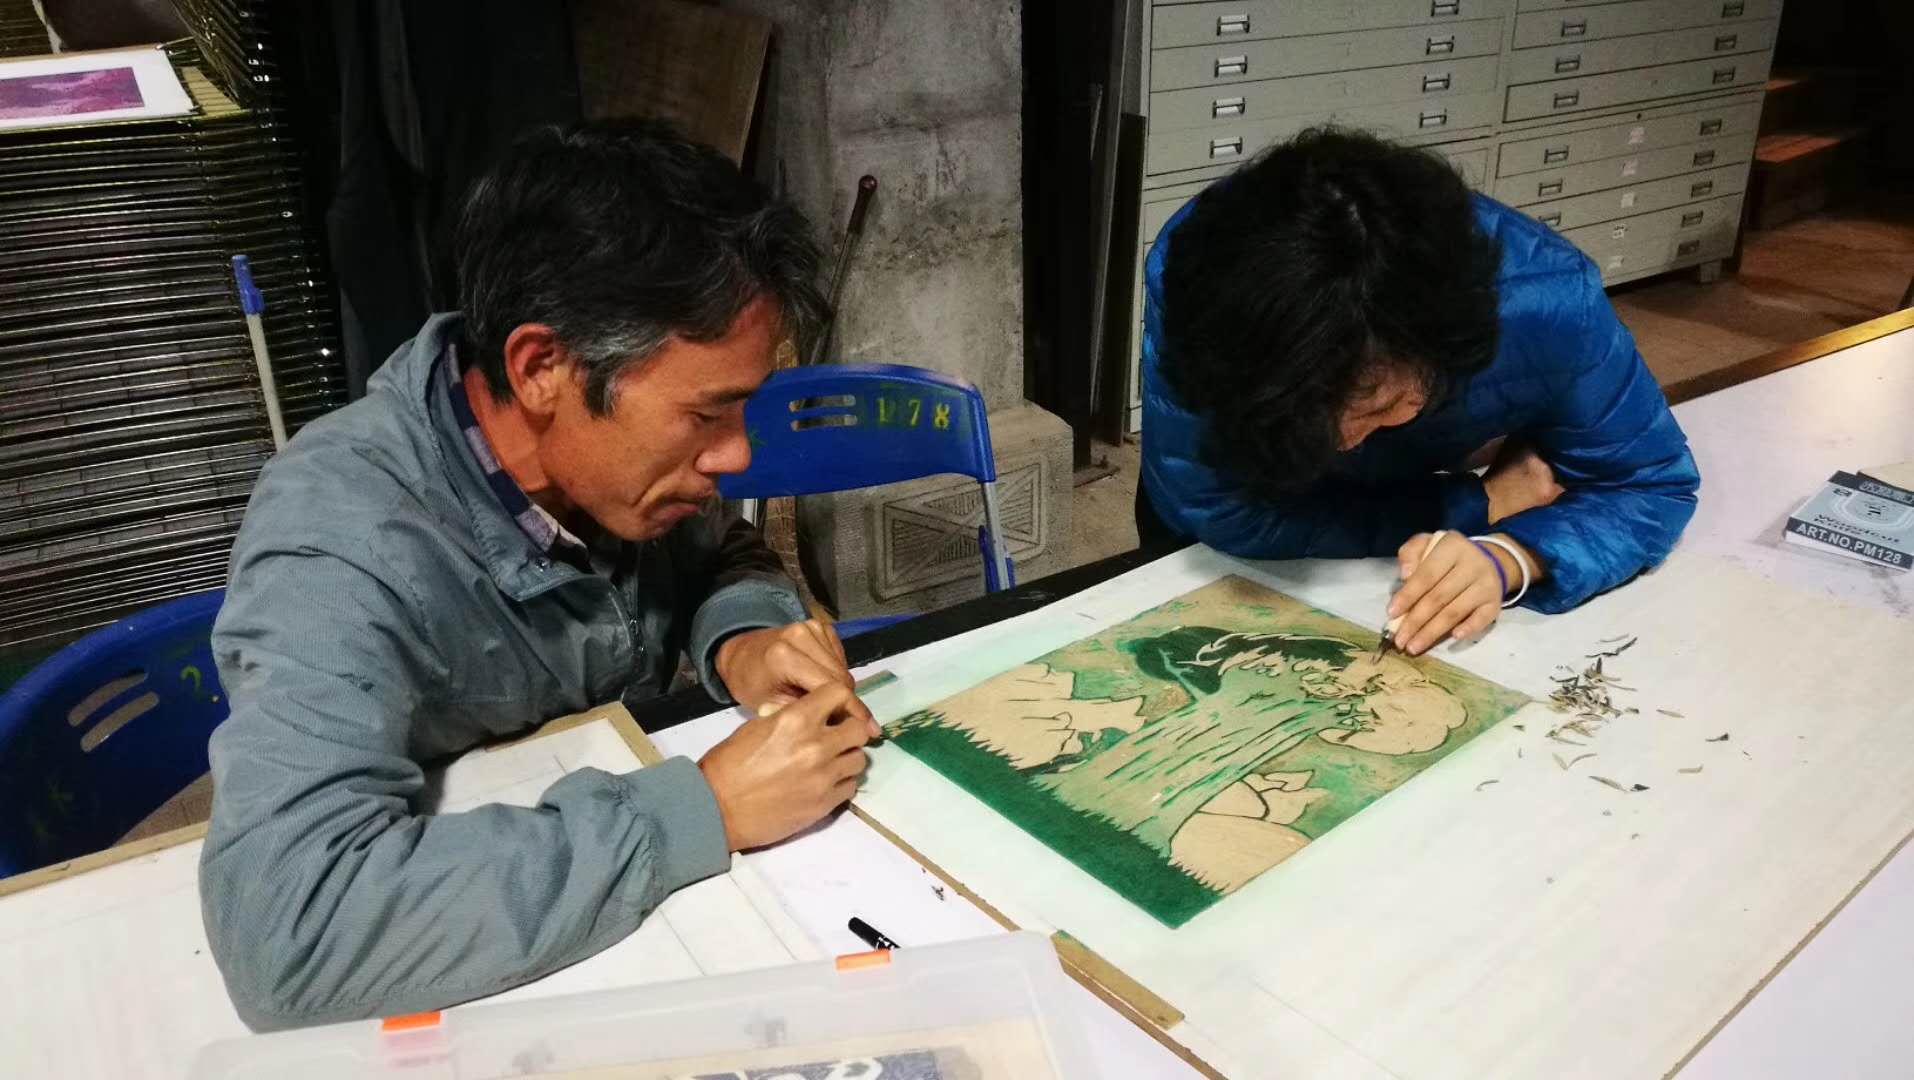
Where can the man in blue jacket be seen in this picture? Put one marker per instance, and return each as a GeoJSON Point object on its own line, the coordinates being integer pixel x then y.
{"type": "Point", "coordinates": [1334, 329]}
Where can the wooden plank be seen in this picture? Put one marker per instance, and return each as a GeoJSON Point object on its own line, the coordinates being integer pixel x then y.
{"type": "Point", "coordinates": [694, 66]}
{"type": "Point", "coordinates": [1785, 147]}
{"type": "Point", "coordinates": [1788, 959]}
{"type": "Point", "coordinates": [1136, 1002]}
{"type": "Point", "coordinates": [615, 713]}
{"type": "Point", "coordinates": [1640, 874]}
{"type": "Point", "coordinates": [1784, 358]}
{"type": "Point", "coordinates": [46, 875]}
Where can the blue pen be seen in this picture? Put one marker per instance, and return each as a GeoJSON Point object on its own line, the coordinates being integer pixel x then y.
{"type": "Point", "coordinates": [253, 303]}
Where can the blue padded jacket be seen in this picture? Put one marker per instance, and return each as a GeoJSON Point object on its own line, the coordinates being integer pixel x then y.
{"type": "Point", "coordinates": [1566, 377]}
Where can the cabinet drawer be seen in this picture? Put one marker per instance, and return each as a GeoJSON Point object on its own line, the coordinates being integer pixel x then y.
{"type": "Point", "coordinates": [1572, 59]}
{"type": "Point", "coordinates": [1473, 165]}
{"type": "Point", "coordinates": [1565, 97]}
{"type": "Point", "coordinates": [1551, 5]}
{"type": "Point", "coordinates": [1699, 219]}
{"type": "Point", "coordinates": [1648, 244]}
{"type": "Point", "coordinates": [1636, 199]}
{"type": "Point", "coordinates": [1257, 20]}
{"type": "Point", "coordinates": [1592, 144]}
{"type": "Point", "coordinates": [1226, 105]}
{"type": "Point", "coordinates": [1158, 214]}
{"type": "Point", "coordinates": [1563, 182]}
{"type": "Point", "coordinates": [1596, 21]}
{"type": "Point", "coordinates": [1278, 58]}
{"type": "Point", "coordinates": [1194, 148]}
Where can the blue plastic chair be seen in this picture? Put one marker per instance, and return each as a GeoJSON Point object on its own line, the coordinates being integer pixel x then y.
{"type": "Point", "coordinates": [106, 730]}
{"type": "Point", "coordinates": [834, 427]}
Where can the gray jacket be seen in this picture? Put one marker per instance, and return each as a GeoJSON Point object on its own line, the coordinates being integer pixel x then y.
{"type": "Point", "coordinates": [383, 611]}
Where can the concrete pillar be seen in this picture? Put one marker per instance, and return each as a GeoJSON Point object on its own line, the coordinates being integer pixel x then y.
{"type": "Point", "coordinates": [925, 95]}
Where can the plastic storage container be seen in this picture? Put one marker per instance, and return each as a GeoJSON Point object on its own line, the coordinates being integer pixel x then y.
{"type": "Point", "coordinates": [996, 1007]}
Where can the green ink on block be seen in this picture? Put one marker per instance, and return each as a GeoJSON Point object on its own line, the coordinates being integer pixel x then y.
{"type": "Point", "coordinates": [1178, 755]}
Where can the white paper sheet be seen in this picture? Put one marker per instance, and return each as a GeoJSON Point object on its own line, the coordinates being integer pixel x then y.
{"type": "Point", "coordinates": [1544, 926]}
{"type": "Point", "coordinates": [89, 87]}
{"type": "Point", "coordinates": [107, 974]}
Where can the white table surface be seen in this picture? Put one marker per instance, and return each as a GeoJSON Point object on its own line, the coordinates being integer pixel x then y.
{"type": "Point", "coordinates": [1842, 1006]}
{"type": "Point", "coordinates": [1839, 1008]}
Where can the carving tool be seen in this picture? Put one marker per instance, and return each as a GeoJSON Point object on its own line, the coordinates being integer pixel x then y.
{"type": "Point", "coordinates": [1388, 639]}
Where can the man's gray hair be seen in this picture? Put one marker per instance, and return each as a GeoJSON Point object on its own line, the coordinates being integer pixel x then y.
{"type": "Point", "coordinates": [620, 236]}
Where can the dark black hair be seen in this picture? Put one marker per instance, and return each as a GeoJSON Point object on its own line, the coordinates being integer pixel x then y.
{"type": "Point", "coordinates": [619, 235]}
{"type": "Point", "coordinates": [1294, 278]}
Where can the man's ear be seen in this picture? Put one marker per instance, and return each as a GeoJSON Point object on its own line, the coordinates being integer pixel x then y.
{"type": "Point", "coordinates": [538, 368]}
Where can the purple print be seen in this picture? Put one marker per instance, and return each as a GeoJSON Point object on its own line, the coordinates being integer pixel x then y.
{"type": "Point", "coordinates": [72, 93]}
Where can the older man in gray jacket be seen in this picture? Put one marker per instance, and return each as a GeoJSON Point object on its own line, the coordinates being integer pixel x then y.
{"type": "Point", "coordinates": [516, 523]}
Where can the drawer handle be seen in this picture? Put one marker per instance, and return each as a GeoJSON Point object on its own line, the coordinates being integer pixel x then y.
{"type": "Point", "coordinates": [1704, 157]}
{"type": "Point", "coordinates": [1433, 119]}
{"type": "Point", "coordinates": [1568, 100]}
{"type": "Point", "coordinates": [1439, 45]}
{"type": "Point", "coordinates": [1724, 76]}
{"type": "Point", "coordinates": [1696, 191]}
{"type": "Point", "coordinates": [1226, 106]}
{"type": "Point", "coordinates": [1440, 8]}
{"type": "Point", "coordinates": [1222, 148]}
{"type": "Point", "coordinates": [1568, 63]}
{"type": "Point", "coordinates": [1688, 247]}
{"type": "Point", "coordinates": [1231, 65]}
{"type": "Point", "coordinates": [1726, 42]}
{"type": "Point", "coordinates": [1231, 24]}
{"type": "Point", "coordinates": [1551, 187]}
{"type": "Point", "coordinates": [1733, 9]}
{"type": "Point", "coordinates": [1690, 220]}
{"type": "Point", "coordinates": [1551, 220]}
{"type": "Point", "coordinates": [1574, 27]}
{"type": "Point", "coordinates": [1554, 155]}
{"type": "Point", "coordinates": [1711, 127]}
{"type": "Point", "coordinates": [1434, 83]}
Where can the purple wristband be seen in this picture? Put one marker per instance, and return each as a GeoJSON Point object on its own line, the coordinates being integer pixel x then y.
{"type": "Point", "coordinates": [1500, 574]}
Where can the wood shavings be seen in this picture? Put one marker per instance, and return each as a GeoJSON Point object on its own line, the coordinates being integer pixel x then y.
{"type": "Point", "coordinates": [1692, 771]}
{"type": "Point", "coordinates": [1723, 737]}
{"type": "Point", "coordinates": [1486, 783]}
{"type": "Point", "coordinates": [1585, 693]}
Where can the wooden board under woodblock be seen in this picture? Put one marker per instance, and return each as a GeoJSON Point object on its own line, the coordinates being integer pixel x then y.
{"type": "Point", "coordinates": [613, 712]}
{"type": "Point", "coordinates": [1504, 912]}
